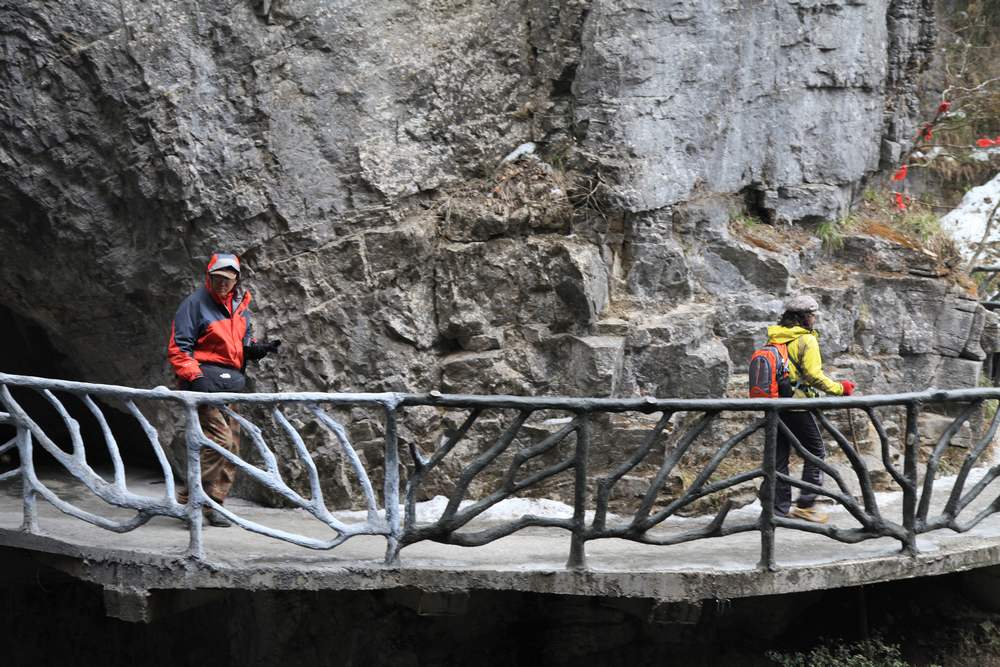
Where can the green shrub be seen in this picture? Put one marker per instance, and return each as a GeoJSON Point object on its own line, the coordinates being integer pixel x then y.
{"type": "Point", "coordinates": [922, 224]}
{"type": "Point", "coordinates": [745, 220]}
{"type": "Point", "coordinates": [868, 653]}
{"type": "Point", "coordinates": [832, 232]}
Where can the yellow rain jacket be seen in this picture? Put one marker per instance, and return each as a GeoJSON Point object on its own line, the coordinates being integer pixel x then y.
{"type": "Point", "coordinates": [803, 355]}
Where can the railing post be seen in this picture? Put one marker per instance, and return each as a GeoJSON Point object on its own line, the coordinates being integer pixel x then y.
{"type": "Point", "coordinates": [391, 487]}
{"type": "Point", "coordinates": [767, 492]}
{"type": "Point", "coordinates": [910, 447]}
{"type": "Point", "coordinates": [29, 523]}
{"type": "Point", "coordinates": [196, 547]}
{"type": "Point", "coordinates": [577, 552]}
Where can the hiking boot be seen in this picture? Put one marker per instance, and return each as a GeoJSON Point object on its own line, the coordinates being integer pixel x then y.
{"type": "Point", "coordinates": [216, 519]}
{"type": "Point", "coordinates": [810, 514]}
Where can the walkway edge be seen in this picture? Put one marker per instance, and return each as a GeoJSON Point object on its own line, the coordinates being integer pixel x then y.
{"type": "Point", "coordinates": [117, 568]}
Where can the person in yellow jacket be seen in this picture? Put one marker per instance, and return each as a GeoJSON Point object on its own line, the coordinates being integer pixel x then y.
{"type": "Point", "coordinates": [797, 330]}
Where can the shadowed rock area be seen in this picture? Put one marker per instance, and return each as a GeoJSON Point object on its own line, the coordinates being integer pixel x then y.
{"type": "Point", "coordinates": [939, 620]}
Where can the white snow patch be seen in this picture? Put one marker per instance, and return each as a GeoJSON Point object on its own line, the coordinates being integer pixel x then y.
{"type": "Point", "coordinates": [505, 510]}
{"type": "Point", "coordinates": [513, 509]}
{"type": "Point", "coordinates": [968, 221]}
{"type": "Point", "coordinates": [522, 150]}
{"type": "Point", "coordinates": [929, 155]}
{"type": "Point", "coordinates": [510, 509]}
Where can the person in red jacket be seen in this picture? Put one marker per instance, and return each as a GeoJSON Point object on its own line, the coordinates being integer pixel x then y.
{"type": "Point", "coordinates": [210, 344]}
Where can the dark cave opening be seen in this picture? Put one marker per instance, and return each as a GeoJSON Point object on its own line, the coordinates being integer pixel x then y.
{"type": "Point", "coordinates": [26, 349]}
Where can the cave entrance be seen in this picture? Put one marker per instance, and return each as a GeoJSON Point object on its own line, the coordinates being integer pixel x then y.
{"type": "Point", "coordinates": [27, 349]}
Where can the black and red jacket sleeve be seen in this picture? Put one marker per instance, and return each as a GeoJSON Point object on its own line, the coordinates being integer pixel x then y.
{"type": "Point", "coordinates": [184, 334]}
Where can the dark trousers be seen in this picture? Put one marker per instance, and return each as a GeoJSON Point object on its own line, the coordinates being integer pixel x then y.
{"type": "Point", "coordinates": [803, 426]}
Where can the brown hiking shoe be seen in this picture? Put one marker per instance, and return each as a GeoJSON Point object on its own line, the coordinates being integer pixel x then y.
{"type": "Point", "coordinates": [810, 514]}
{"type": "Point", "coordinates": [216, 519]}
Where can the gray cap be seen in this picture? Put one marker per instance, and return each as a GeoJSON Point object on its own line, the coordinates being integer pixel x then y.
{"type": "Point", "coordinates": [802, 303]}
{"type": "Point", "coordinates": [225, 262]}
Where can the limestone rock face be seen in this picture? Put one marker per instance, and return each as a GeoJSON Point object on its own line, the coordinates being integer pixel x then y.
{"type": "Point", "coordinates": [727, 96]}
{"type": "Point", "coordinates": [315, 140]}
{"type": "Point", "coordinates": [677, 354]}
{"type": "Point", "coordinates": [353, 154]}
{"type": "Point", "coordinates": [559, 283]}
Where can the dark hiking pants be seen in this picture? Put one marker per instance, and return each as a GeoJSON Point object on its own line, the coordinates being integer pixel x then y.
{"type": "Point", "coordinates": [803, 426]}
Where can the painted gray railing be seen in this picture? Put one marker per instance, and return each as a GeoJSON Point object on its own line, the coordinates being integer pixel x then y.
{"type": "Point", "coordinates": [989, 295]}
{"type": "Point", "coordinates": [525, 467]}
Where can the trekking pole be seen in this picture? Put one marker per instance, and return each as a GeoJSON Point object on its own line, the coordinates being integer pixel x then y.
{"type": "Point", "coordinates": [854, 434]}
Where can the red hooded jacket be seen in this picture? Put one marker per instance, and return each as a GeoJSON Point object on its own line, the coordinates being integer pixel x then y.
{"type": "Point", "coordinates": [209, 330]}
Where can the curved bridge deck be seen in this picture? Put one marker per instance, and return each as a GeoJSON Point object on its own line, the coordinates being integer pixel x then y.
{"type": "Point", "coordinates": [532, 560]}
{"type": "Point", "coordinates": [125, 530]}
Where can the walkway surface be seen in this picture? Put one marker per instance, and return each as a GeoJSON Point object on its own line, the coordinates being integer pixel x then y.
{"type": "Point", "coordinates": [153, 556]}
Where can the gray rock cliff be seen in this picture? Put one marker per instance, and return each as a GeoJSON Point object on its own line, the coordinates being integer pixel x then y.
{"type": "Point", "coordinates": [351, 153]}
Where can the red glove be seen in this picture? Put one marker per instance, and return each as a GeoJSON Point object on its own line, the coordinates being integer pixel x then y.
{"type": "Point", "coordinates": [848, 387]}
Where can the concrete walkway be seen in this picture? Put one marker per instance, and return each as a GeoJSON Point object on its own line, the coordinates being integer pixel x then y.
{"type": "Point", "coordinates": [153, 556]}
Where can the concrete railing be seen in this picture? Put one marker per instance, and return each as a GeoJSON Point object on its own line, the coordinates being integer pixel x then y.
{"type": "Point", "coordinates": [525, 462]}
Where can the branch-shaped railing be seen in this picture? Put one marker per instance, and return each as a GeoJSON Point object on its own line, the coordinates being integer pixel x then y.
{"type": "Point", "coordinates": [505, 457]}
{"type": "Point", "coordinates": [117, 494]}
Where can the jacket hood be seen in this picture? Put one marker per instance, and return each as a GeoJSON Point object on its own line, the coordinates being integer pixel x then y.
{"type": "Point", "coordinates": [779, 334]}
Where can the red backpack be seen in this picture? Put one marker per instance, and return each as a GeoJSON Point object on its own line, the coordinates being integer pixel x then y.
{"type": "Point", "coordinates": [769, 372]}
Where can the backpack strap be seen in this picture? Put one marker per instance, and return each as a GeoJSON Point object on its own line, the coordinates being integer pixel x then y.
{"type": "Point", "coordinates": [800, 377]}
{"type": "Point", "coordinates": [798, 371]}
{"type": "Point", "coordinates": [782, 349]}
